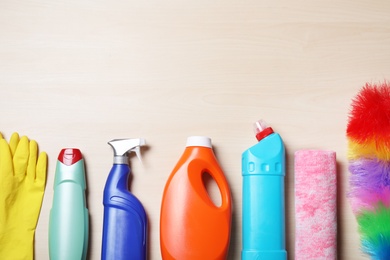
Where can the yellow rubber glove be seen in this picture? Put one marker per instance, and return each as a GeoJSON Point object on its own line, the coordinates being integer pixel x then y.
{"type": "Point", "coordinates": [22, 184]}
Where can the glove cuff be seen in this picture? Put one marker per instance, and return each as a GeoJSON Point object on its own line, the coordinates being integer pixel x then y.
{"type": "Point", "coordinates": [17, 244]}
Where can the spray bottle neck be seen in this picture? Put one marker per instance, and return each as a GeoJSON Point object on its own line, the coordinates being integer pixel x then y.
{"type": "Point", "coordinates": [118, 159]}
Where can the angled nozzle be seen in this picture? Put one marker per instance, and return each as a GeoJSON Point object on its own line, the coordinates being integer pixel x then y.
{"type": "Point", "coordinates": [262, 129]}
{"type": "Point", "coordinates": [122, 148]}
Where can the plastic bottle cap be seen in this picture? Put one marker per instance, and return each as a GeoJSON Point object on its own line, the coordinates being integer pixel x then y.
{"type": "Point", "coordinates": [199, 141]}
{"type": "Point", "coordinates": [262, 130]}
{"type": "Point", "coordinates": [69, 156]}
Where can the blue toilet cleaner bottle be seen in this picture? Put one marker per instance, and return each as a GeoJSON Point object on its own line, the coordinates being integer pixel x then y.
{"type": "Point", "coordinates": [124, 220]}
{"type": "Point", "coordinates": [263, 205]}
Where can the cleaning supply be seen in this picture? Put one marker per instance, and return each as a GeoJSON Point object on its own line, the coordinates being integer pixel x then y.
{"type": "Point", "coordinates": [22, 186]}
{"type": "Point", "coordinates": [125, 220]}
{"type": "Point", "coordinates": [368, 135]}
{"type": "Point", "coordinates": [263, 206]}
{"type": "Point", "coordinates": [191, 225]}
{"type": "Point", "coordinates": [69, 224]}
{"type": "Point", "coordinates": [315, 205]}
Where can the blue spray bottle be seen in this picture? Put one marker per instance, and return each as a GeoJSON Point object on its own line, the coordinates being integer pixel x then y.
{"type": "Point", "coordinates": [263, 171]}
{"type": "Point", "coordinates": [124, 221]}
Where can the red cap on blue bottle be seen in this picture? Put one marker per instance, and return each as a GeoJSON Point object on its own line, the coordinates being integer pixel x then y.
{"type": "Point", "coordinates": [262, 130]}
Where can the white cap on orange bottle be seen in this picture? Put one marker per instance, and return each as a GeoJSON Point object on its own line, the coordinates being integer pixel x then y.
{"type": "Point", "coordinates": [203, 141]}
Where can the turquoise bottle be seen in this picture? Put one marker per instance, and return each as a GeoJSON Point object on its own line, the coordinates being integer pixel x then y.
{"type": "Point", "coordinates": [68, 224]}
{"type": "Point", "coordinates": [263, 205]}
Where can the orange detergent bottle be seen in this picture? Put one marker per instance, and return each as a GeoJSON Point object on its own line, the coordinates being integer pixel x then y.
{"type": "Point", "coordinates": [192, 226]}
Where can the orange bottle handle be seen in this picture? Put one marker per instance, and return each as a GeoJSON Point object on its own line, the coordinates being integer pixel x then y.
{"type": "Point", "coordinates": [216, 173]}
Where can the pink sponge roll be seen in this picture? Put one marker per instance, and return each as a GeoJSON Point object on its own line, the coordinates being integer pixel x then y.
{"type": "Point", "coordinates": [315, 205]}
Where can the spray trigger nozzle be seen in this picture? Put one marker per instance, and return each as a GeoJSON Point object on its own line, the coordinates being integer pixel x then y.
{"type": "Point", "coordinates": [122, 147]}
{"type": "Point", "coordinates": [137, 151]}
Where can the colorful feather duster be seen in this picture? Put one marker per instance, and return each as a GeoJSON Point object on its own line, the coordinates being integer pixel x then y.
{"type": "Point", "coordinates": [368, 134]}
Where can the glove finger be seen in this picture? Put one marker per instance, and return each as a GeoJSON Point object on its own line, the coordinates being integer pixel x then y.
{"type": "Point", "coordinates": [40, 179]}
{"type": "Point", "coordinates": [13, 142]}
{"type": "Point", "coordinates": [20, 158]}
{"type": "Point", "coordinates": [6, 170]}
{"type": "Point", "coordinates": [32, 160]}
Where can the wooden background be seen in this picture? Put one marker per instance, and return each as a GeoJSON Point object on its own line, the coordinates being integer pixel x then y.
{"type": "Point", "coordinates": [80, 73]}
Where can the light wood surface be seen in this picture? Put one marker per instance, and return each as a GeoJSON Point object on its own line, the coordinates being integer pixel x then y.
{"type": "Point", "coordinates": [80, 73]}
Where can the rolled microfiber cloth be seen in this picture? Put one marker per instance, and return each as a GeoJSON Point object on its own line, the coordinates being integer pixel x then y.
{"type": "Point", "coordinates": [315, 205]}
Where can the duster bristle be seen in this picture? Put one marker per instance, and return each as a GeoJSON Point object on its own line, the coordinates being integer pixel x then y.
{"type": "Point", "coordinates": [374, 227]}
{"type": "Point", "coordinates": [369, 120]}
{"type": "Point", "coordinates": [368, 134]}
